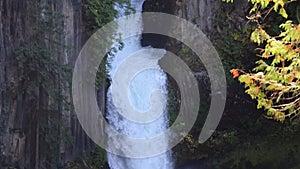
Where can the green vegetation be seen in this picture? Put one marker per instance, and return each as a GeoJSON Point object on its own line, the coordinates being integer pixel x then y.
{"type": "Point", "coordinates": [42, 77]}
{"type": "Point", "coordinates": [99, 13]}
{"type": "Point", "coordinates": [274, 82]}
{"type": "Point", "coordinates": [97, 159]}
{"type": "Point", "coordinates": [232, 40]}
{"type": "Point", "coordinates": [244, 138]}
{"type": "Point", "coordinates": [38, 62]}
{"type": "Point", "coordinates": [252, 141]}
{"type": "Point", "coordinates": [262, 144]}
{"type": "Point", "coordinates": [173, 100]}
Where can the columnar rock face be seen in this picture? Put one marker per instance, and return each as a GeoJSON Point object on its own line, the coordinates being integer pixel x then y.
{"type": "Point", "coordinates": [204, 13]}
{"type": "Point", "coordinates": [200, 12]}
{"type": "Point", "coordinates": [22, 144]}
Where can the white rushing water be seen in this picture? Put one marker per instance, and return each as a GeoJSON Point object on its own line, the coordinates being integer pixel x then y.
{"type": "Point", "coordinates": [139, 92]}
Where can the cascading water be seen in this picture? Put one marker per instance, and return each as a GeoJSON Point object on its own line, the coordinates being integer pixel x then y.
{"type": "Point", "coordinates": [139, 93]}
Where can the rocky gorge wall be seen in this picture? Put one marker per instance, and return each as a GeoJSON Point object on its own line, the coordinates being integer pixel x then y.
{"type": "Point", "coordinates": [200, 12]}
{"type": "Point", "coordinates": [206, 13]}
{"type": "Point", "coordinates": [218, 21]}
{"type": "Point", "coordinates": [23, 144]}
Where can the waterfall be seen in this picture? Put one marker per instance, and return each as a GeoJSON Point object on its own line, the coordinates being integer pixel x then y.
{"type": "Point", "coordinates": [139, 92]}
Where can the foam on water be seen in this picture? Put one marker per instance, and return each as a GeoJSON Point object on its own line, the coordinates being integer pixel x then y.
{"type": "Point", "coordinates": [139, 92]}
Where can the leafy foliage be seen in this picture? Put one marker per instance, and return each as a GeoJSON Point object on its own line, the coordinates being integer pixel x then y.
{"type": "Point", "coordinates": [232, 40]}
{"type": "Point", "coordinates": [274, 82]}
{"type": "Point", "coordinates": [98, 158]}
{"type": "Point", "coordinates": [98, 14]}
{"type": "Point", "coordinates": [42, 78]}
{"type": "Point", "coordinates": [104, 11]}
